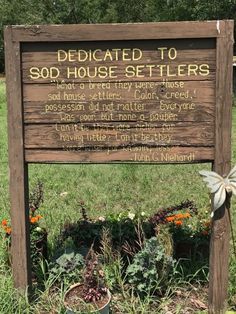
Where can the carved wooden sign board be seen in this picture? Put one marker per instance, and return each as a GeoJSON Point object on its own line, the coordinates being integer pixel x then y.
{"type": "Point", "coordinates": [134, 93]}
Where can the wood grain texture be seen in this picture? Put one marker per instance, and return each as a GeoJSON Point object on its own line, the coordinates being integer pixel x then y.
{"type": "Point", "coordinates": [186, 51]}
{"type": "Point", "coordinates": [205, 91]}
{"type": "Point", "coordinates": [183, 134]}
{"type": "Point", "coordinates": [80, 74]}
{"type": "Point", "coordinates": [157, 155]}
{"type": "Point", "coordinates": [41, 113]}
{"type": "Point", "coordinates": [98, 32]}
{"type": "Point", "coordinates": [152, 64]}
{"type": "Point", "coordinates": [219, 248]}
{"type": "Point", "coordinates": [38, 109]}
{"type": "Point", "coordinates": [20, 241]}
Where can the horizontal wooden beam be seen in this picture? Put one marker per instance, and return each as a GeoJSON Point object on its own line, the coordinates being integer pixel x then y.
{"type": "Point", "coordinates": [156, 155]}
{"type": "Point", "coordinates": [59, 136]}
{"type": "Point", "coordinates": [98, 32]}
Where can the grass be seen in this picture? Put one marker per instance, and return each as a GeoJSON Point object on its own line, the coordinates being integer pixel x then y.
{"type": "Point", "coordinates": [104, 189]}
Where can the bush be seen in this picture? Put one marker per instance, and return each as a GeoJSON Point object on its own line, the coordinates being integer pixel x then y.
{"type": "Point", "coordinates": [150, 269]}
{"type": "Point", "coordinates": [67, 267]}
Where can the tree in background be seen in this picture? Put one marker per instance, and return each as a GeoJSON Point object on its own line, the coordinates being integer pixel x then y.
{"type": "Point", "coordinates": [109, 11]}
{"type": "Point", "coordinates": [16, 12]}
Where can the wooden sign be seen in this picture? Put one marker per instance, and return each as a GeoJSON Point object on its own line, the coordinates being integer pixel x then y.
{"type": "Point", "coordinates": [134, 93]}
{"type": "Point", "coordinates": [116, 100]}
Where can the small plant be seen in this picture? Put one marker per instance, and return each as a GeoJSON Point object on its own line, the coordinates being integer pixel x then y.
{"type": "Point", "coordinates": [67, 267]}
{"type": "Point", "coordinates": [38, 235]}
{"type": "Point", "coordinates": [150, 268]}
{"type": "Point", "coordinates": [83, 211]}
{"type": "Point", "coordinates": [94, 288]}
{"type": "Point", "coordinates": [36, 197]}
{"type": "Point", "coordinates": [91, 292]}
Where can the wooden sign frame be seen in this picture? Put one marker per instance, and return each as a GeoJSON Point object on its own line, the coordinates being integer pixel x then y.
{"type": "Point", "coordinates": [16, 36]}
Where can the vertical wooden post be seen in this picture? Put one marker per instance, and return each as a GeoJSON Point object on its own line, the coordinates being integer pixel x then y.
{"type": "Point", "coordinates": [20, 238]}
{"type": "Point", "coordinates": [219, 247]}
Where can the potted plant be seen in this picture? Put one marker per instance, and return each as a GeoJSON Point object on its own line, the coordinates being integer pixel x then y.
{"type": "Point", "coordinates": [91, 295]}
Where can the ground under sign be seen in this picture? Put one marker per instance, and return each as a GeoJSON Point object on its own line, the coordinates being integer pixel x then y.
{"type": "Point", "coordinates": [136, 93]}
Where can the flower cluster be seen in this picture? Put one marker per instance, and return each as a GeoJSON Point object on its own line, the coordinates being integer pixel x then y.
{"type": "Point", "coordinates": [35, 219]}
{"type": "Point", "coordinates": [178, 218]}
{"type": "Point", "coordinates": [125, 215]}
{"type": "Point", "coordinates": [6, 227]}
{"type": "Point", "coordinates": [165, 215]}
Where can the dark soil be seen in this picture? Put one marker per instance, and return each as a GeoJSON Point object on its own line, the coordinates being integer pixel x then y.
{"type": "Point", "coordinates": [74, 301]}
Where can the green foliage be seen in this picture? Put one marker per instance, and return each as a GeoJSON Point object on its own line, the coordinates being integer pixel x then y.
{"type": "Point", "coordinates": [123, 230]}
{"type": "Point", "coordinates": [102, 11]}
{"type": "Point", "coordinates": [150, 268]}
{"type": "Point", "coordinates": [232, 283]}
{"type": "Point", "coordinates": [16, 12]}
{"type": "Point", "coordinates": [67, 267]}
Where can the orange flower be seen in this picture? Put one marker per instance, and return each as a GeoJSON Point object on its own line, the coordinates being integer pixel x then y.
{"type": "Point", "coordinates": [187, 215]}
{"type": "Point", "coordinates": [182, 216]}
{"type": "Point", "coordinates": [170, 218]}
{"type": "Point", "coordinates": [4, 222]}
{"type": "Point", "coordinates": [179, 216]}
{"type": "Point", "coordinates": [205, 232]}
{"type": "Point", "coordinates": [178, 222]}
{"type": "Point", "coordinates": [8, 230]}
{"type": "Point", "coordinates": [33, 220]}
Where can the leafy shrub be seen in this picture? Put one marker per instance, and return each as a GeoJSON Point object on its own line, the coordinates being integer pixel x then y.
{"type": "Point", "coordinates": [88, 232]}
{"type": "Point", "coordinates": [68, 266]}
{"type": "Point", "coordinates": [150, 268]}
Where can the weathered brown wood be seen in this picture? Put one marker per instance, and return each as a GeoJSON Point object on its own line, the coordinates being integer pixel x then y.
{"type": "Point", "coordinates": [99, 32]}
{"type": "Point", "coordinates": [151, 64]}
{"type": "Point", "coordinates": [144, 71]}
{"type": "Point", "coordinates": [58, 136]}
{"type": "Point", "coordinates": [201, 91]}
{"type": "Point", "coordinates": [144, 76]}
{"type": "Point", "coordinates": [150, 45]}
{"type": "Point", "coordinates": [158, 155]}
{"type": "Point", "coordinates": [55, 113]}
{"type": "Point", "coordinates": [219, 249]}
{"type": "Point", "coordinates": [150, 54]}
{"type": "Point", "coordinates": [20, 241]}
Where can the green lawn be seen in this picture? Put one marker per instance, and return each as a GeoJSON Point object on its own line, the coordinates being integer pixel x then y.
{"type": "Point", "coordinates": [104, 189]}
